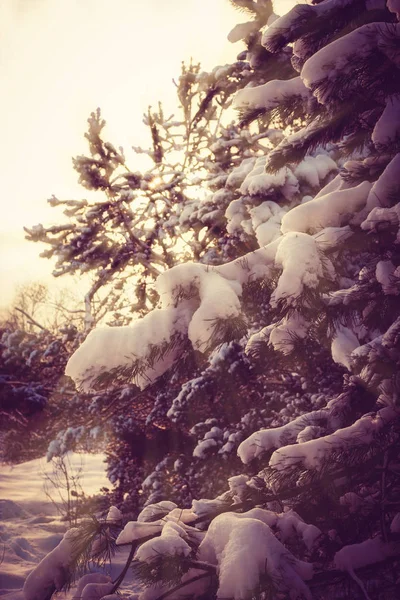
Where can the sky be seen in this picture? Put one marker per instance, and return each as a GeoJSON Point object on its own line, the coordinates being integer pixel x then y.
{"type": "Point", "coordinates": [60, 60]}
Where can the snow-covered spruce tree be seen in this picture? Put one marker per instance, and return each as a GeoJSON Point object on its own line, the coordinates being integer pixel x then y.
{"type": "Point", "coordinates": [201, 199]}
{"type": "Point", "coordinates": [138, 224]}
{"type": "Point", "coordinates": [319, 516]}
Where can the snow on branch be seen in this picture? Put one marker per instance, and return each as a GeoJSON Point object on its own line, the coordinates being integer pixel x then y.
{"type": "Point", "coordinates": [109, 348]}
{"type": "Point", "coordinates": [202, 303]}
{"type": "Point", "coordinates": [334, 209]}
{"type": "Point", "coordinates": [302, 266]}
{"type": "Point", "coordinates": [261, 441]}
{"type": "Point", "coordinates": [314, 453]}
{"type": "Point", "coordinates": [52, 573]}
{"type": "Point", "coordinates": [346, 55]}
{"type": "Point", "coordinates": [245, 550]}
{"type": "Point", "coordinates": [285, 98]}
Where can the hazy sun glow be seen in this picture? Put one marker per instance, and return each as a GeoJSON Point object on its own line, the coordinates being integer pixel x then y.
{"type": "Point", "coordinates": [59, 60]}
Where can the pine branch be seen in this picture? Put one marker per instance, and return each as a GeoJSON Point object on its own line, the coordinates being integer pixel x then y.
{"type": "Point", "coordinates": [290, 109]}
{"type": "Point", "coordinates": [204, 105]}
{"type": "Point", "coordinates": [246, 6]}
{"type": "Point", "coordinates": [248, 116]}
{"type": "Point", "coordinates": [167, 570]}
{"type": "Point", "coordinates": [124, 571]}
{"type": "Point", "coordinates": [137, 369]}
{"type": "Point", "coordinates": [82, 548]}
{"type": "Point", "coordinates": [225, 330]}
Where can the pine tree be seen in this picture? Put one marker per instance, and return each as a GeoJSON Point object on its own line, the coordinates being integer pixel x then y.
{"type": "Point", "coordinates": [288, 352]}
{"type": "Point", "coordinates": [195, 204]}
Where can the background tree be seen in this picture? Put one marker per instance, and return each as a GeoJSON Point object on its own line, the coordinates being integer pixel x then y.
{"type": "Point", "coordinates": [37, 335]}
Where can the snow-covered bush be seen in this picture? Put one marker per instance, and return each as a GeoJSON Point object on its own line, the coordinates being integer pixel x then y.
{"type": "Point", "coordinates": [285, 347]}
{"type": "Point", "coordinates": [34, 349]}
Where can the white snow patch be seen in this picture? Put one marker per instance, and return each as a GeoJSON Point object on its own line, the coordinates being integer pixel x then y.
{"type": "Point", "coordinates": [135, 530]}
{"type": "Point", "coordinates": [242, 30]}
{"type": "Point", "coordinates": [388, 276]}
{"type": "Point", "coordinates": [343, 344]}
{"type": "Point", "coordinates": [290, 329]}
{"type": "Point", "coordinates": [334, 209]}
{"type": "Point", "coordinates": [202, 448]}
{"type": "Point", "coordinates": [314, 169]}
{"type": "Point", "coordinates": [266, 439]}
{"type": "Point", "coordinates": [238, 174]}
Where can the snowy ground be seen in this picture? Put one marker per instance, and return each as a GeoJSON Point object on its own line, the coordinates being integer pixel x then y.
{"type": "Point", "coordinates": [29, 524]}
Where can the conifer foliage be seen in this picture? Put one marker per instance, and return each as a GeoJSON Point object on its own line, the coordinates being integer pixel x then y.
{"type": "Point", "coordinates": [278, 337]}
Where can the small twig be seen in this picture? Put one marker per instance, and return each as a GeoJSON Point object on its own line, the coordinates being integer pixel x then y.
{"type": "Point", "coordinates": [181, 585]}
{"type": "Point", "coordinates": [47, 389]}
{"type": "Point", "coordinates": [197, 564]}
{"type": "Point", "coordinates": [31, 319]}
